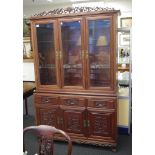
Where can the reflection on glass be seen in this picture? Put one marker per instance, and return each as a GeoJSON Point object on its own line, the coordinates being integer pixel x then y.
{"type": "Point", "coordinates": [46, 54]}
{"type": "Point", "coordinates": [99, 52]}
{"type": "Point", "coordinates": [71, 49]}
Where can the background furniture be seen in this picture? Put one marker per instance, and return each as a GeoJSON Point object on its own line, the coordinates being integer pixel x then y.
{"type": "Point", "coordinates": [45, 135]}
{"type": "Point", "coordinates": [28, 88]}
{"type": "Point", "coordinates": [124, 79]}
{"type": "Point", "coordinates": [75, 70]}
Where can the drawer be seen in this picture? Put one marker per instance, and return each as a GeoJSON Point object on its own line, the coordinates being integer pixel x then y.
{"type": "Point", "coordinates": [72, 101]}
{"type": "Point", "coordinates": [46, 99]}
{"type": "Point", "coordinates": [106, 103]}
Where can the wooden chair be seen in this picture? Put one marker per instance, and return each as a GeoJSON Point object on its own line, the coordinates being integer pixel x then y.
{"type": "Point", "coordinates": [46, 134]}
{"type": "Point", "coordinates": [28, 88]}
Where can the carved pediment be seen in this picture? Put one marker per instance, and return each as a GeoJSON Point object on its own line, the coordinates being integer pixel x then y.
{"type": "Point", "coordinates": [74, 10]}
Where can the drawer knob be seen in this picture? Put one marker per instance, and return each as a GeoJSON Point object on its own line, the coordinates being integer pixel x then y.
{"type": "Point", "coordinates": [100, 104]}
{"type": "Point", "coordinates": [71, 102]}
{"type": "Point", "coordinates": [46, 100]}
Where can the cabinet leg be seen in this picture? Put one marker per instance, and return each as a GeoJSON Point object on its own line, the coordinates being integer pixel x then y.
{"type": "Point", "coordinates": [26, 110]}
{"type": "Point", "coordinates": [114, 149]}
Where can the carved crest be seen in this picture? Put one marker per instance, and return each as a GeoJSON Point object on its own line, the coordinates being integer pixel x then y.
{"type": "Point", "coordinates": [75, 10]}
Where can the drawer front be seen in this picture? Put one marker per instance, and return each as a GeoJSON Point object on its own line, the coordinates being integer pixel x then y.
{"type": "Point", "coordinates": [46, 99]}
{"type": "Point", "coordinates": [72, 101]}
{"type": "Point", "coordinates": [106, 103]}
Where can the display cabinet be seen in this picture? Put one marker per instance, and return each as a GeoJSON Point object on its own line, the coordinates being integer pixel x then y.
{"type": "Point", "coordinates": [124, 79]}
{"type": "Point", "coordinates": [75, 68]}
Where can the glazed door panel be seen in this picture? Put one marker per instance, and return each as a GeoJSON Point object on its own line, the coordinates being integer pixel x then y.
{"type": "Point", "coordinates": [46, 53]}
{"type": "Point", "coordinates": [99, 52]}
{"type": "Point", "coordinates": [101, 123]}
{"type": "Point", "coordinates": [71, 53]}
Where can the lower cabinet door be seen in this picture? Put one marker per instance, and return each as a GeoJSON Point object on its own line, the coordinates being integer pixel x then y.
{"type": "Point", "coordinates": [101, 124]}
{"type": "Point", "coordinates": [75, 121]}
{"type": "Point", "coordinates": [47, 116]}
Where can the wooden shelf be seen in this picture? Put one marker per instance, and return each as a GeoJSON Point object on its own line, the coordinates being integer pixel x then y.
{"type": "Point", "coordinates": [28, 60]}
{"type": "Point", "coordinates": [120, 68]}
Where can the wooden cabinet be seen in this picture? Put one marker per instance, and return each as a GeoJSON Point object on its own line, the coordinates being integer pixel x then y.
{"type": "Point", "coordinates": [75, 70]}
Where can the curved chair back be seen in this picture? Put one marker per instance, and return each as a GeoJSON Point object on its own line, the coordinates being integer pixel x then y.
{"type": "Point", "coordinates": [46, 134]}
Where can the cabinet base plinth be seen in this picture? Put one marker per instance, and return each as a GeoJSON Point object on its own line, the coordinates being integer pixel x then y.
{"type": "Point", "coordinates": [112, 146]}
{"type": "Point", "coordinates": [114, 149]}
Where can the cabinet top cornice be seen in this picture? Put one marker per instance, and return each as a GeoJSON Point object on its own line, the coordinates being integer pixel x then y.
{"type": "Point", "coordinates": [74, 11]}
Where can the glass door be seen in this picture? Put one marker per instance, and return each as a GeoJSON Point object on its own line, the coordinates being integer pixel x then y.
{"type": "Point", "coordinates": [46, 47]}
{"type": "Point", "coordinates": [71, 53]}
{"type": "Point", "coordinates": [99, 52]}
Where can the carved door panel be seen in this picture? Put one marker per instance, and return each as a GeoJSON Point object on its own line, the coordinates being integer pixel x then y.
{"type": "Point", "coordinates": [101, 123]}
{"type": "Point", "coordinates": [75, 121]}
{"type": "Point", "coordinates": [47, 115]}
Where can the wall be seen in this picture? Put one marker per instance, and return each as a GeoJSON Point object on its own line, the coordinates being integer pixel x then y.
{"type": "Point", "coordinates": [28, 71]}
